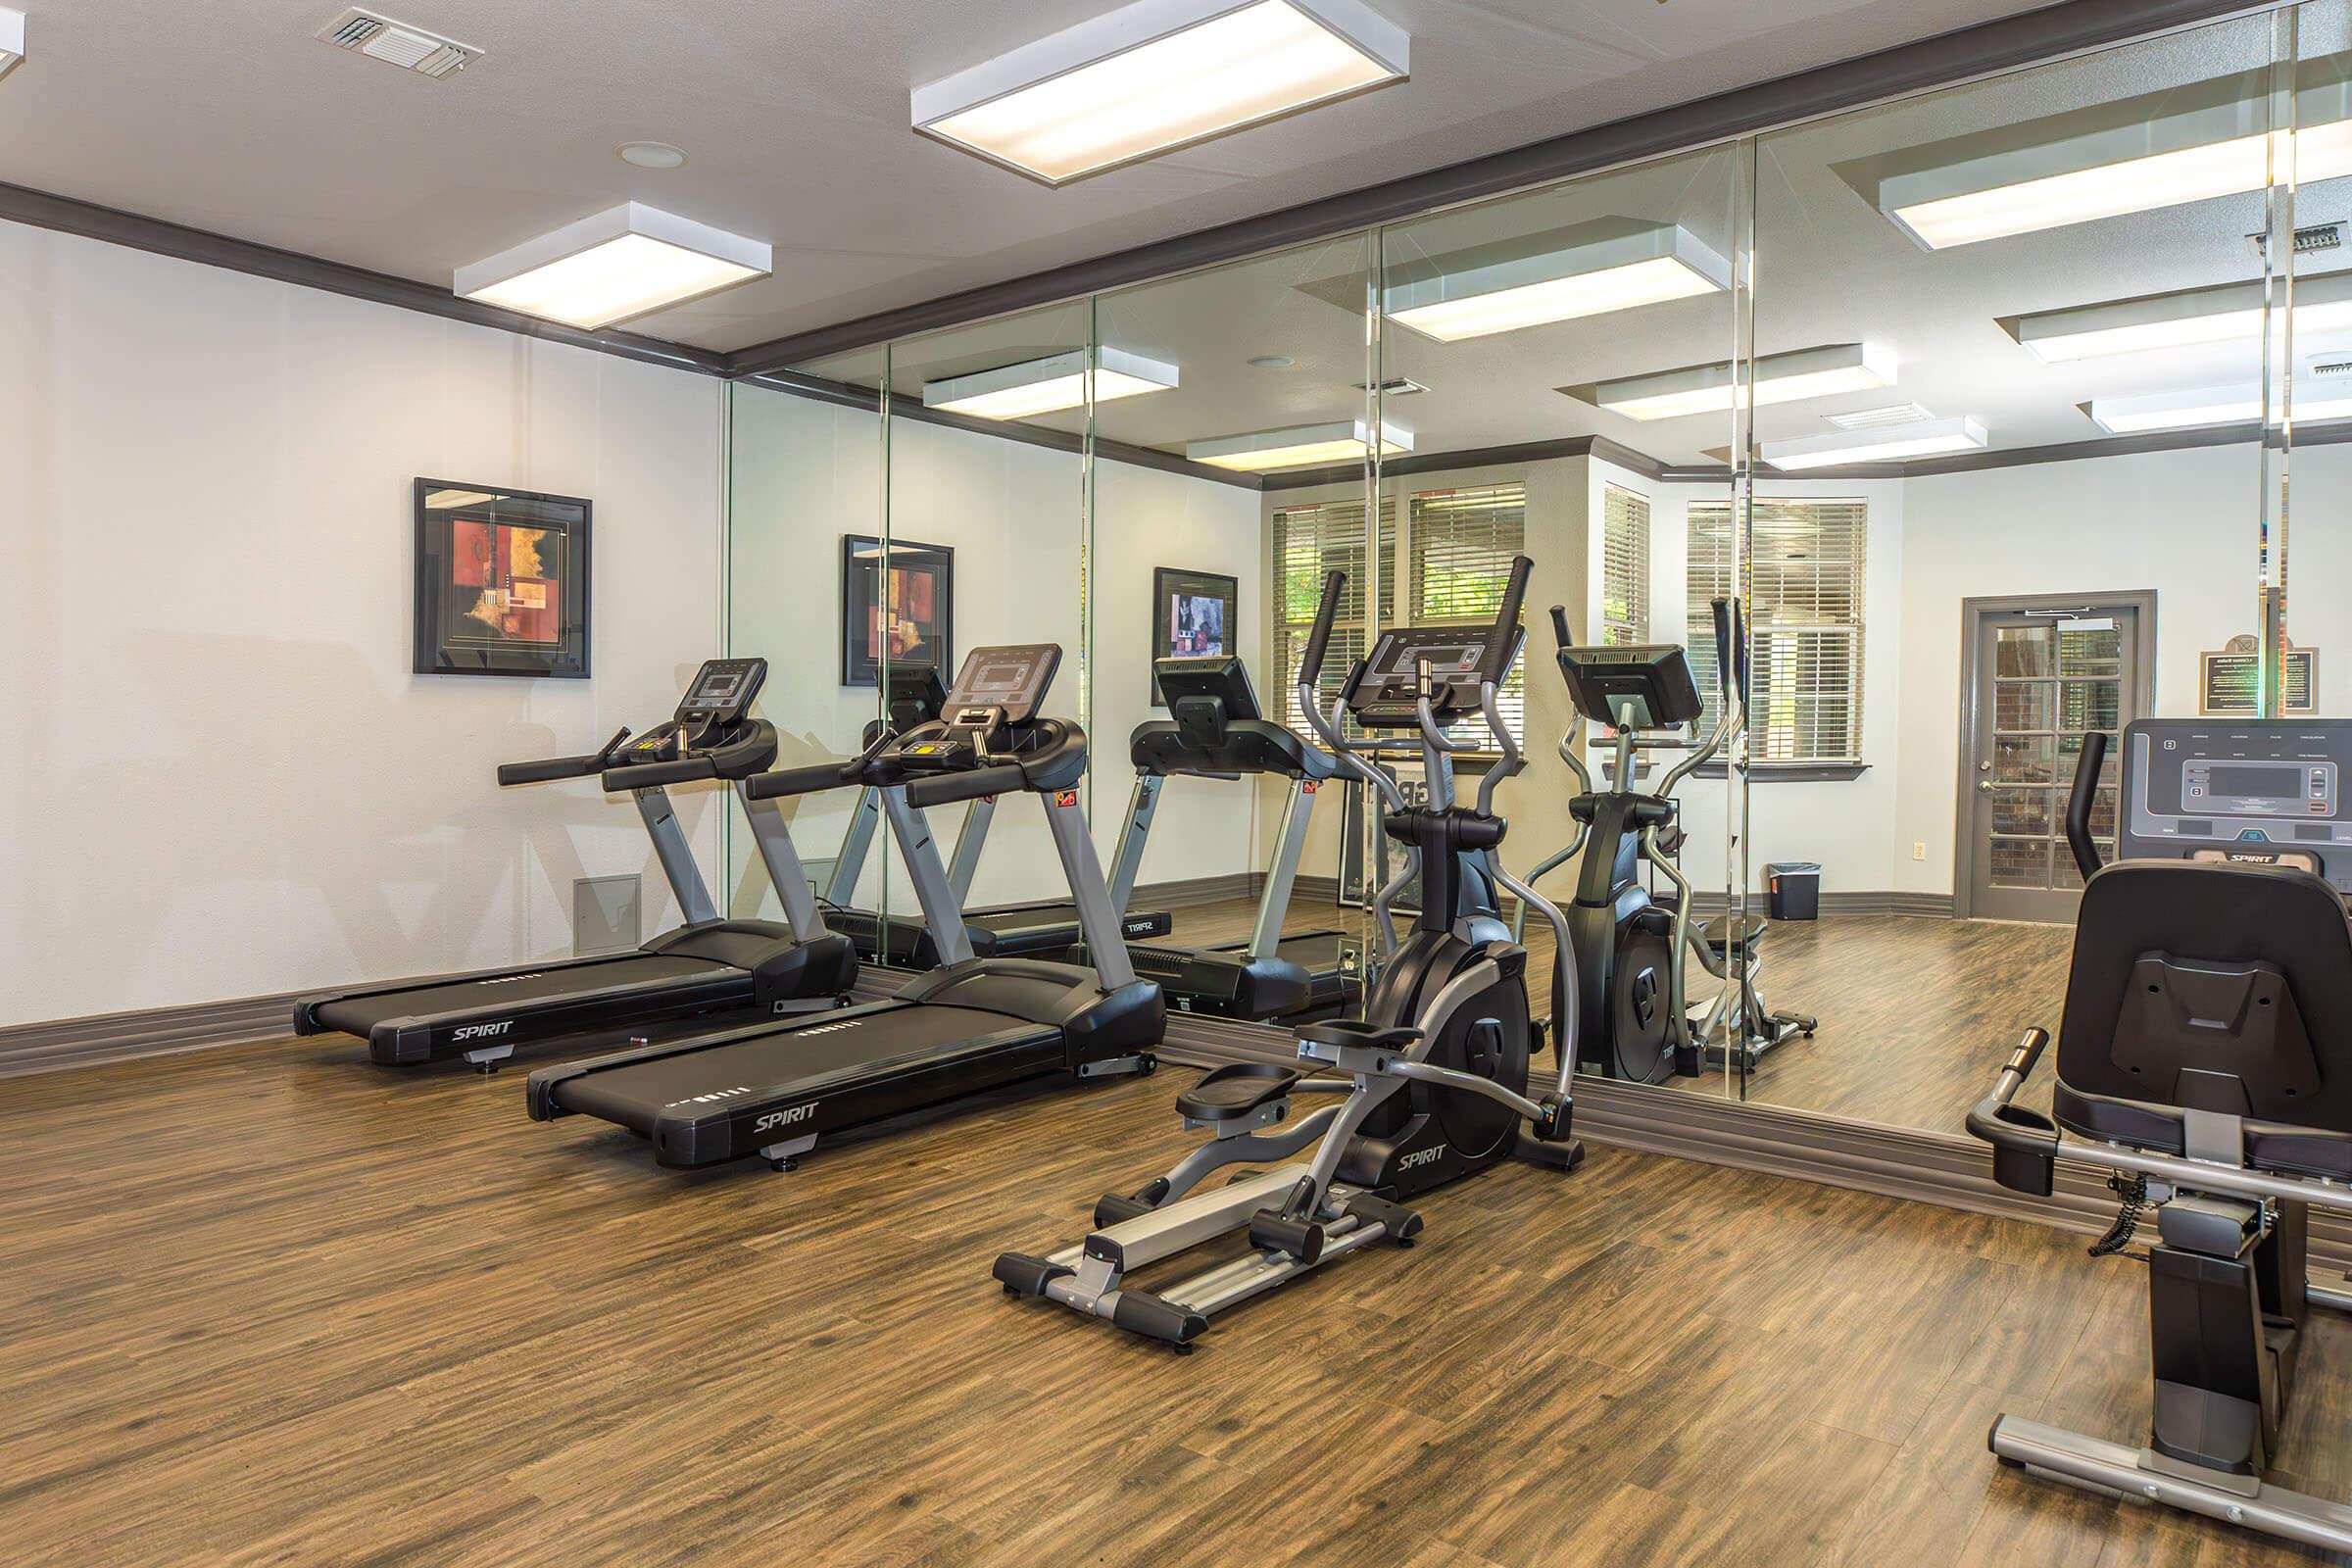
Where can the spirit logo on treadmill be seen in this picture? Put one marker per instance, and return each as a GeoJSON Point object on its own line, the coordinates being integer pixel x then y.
{"type": "Point", "coordinates": [1420, 1156]}
{"type": "Point", "coordinates": [784, 1118]}
{"type": "Point", "coordinates": [1066, 797]}
{"type": "Point", "coordinates": [482, 1031]}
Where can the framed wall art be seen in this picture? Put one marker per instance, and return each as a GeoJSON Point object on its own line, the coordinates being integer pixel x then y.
{"type": "Point", "coordinates": [502, 582]}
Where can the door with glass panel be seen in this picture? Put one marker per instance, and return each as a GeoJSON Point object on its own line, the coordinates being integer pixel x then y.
{"type": "Point", "coordinates": [2045, 674]}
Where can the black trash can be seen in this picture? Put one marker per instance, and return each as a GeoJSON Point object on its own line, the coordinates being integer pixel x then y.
{"type": "Point", "coordinates": [1795, 890]}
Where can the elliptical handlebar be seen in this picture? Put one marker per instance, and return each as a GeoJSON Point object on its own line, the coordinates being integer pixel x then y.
{"type": "Point", "coordinates": [1571, 751]}
{"type": "Point", "coordinates": [1310, 668]}
{"type": "Point", "coordinates": [2079, 801]}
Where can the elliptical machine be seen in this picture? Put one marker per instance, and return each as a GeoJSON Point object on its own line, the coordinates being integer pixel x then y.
{"type": "Point", "coordinates": [1433, 1077]}
{"type": "Point", "coordinates": [1632, 954]}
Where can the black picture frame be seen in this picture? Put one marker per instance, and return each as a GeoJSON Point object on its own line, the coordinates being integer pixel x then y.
{"type": "Point", "coordinates": [923, 586]}
{"type": "Point", "coordinates": [502, 582]}
{"type": "Point", "coordinates": [1181, 600]}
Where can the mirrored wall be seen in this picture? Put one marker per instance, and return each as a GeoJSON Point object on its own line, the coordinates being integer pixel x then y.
{"type": "Point", "coordinates": [1980, 411]}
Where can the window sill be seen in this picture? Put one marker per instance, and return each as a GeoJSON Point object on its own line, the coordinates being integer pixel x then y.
{"type": "Point", "coordinates": [1791, 772]}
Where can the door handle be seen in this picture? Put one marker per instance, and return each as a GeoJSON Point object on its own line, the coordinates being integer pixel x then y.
{"type": "Point", "coordinates": [1986, 785]}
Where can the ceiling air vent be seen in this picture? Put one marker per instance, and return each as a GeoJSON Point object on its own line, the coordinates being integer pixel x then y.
{"type": "Point", "coordinates": [2309, 239]}
{"type": "Point", "coordinates": [396, 43]}
{"type": "Point", "coordinates": [1880, 418]}
{"type": "Point", "coordinates": [2333, 367]}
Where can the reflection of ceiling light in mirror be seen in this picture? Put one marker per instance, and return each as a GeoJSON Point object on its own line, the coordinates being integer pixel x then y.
{"type": "Point", "coordinates": [1879, 418]}
{"type": "Point", "coordinates": [446, 500]}
{"type": "Point", "coordinates": [2227, 313]}
{"type": "Point", "coordinates": [1297, 446]}
{"type": "Point", "coordinates": [12, 39]}
{"type": "Point", "coordinates": [1931, 438]}
{"type": "Point", "coordinates": [1779, 378]}
{"type": "Point", "coordinates": [2207, 140]}
{"type": "Point", "coordinates": [624, 262]}
{"type": "Point", "coordinates": [1047, 385]}
{"type": "Point", "coordinates": [1621, 272]}
{"type": "Point", "coordinates": [2204, 406]}
{"type": "Point", "coordinates": [1157, 75]}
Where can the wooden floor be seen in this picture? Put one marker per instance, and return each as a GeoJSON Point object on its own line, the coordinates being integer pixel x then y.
{"type": "Point", "coordinates": [273, 1305]}
{"type": "Point", "coordinates": [1916, 1015]}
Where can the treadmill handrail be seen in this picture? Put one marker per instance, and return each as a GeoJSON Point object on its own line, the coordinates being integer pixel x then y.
{"type": "Point", "coordinates": [941, 789]}
{"type": "Point", "coordinates": [652, 775]}
{"type": "Point", "coordinates": [547, 769]}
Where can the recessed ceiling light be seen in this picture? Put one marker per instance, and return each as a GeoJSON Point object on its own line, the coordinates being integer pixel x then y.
{"type": "Point", "coordinates": [2225, 313]}
{"type": "Point", "coordinates": [1273, 362]}
{"type": "Point", "coordinates": [1618, 272]}
{"type": "Point", "coordinates": [1930, 438]}
{"type": "Point", "coordinates": [1788, 377]}
{"type": "Point", "coordinates": [652, 155]}
{"type": "Point", "coordinates": [2209, 406]}
{"type": "Point", "coordinates": [12, 39]}
{"type": "Point", "coordinates": [1297, 446]}
{"type": "Point", "coordinates": [2204, 141]}
{"type": "Point", "coordinates": [1155, 76]}
{"type": "Point", "coordinates": [1047, 386]}
{"type": "Point", "coordinates": [622, 262]}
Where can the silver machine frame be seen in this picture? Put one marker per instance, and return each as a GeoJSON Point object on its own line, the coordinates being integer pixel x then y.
{"type": "Point", "coordinates": [857, 839]}
{"type": "Point", "coordinates": [1361, 1078]}
{"type": "Point", "coordinates": [1273, 899]}
{"type": "Point", "coordinates": [2213, 1162]}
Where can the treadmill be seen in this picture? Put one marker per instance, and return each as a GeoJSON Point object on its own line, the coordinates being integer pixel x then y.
{"type": "Point", "coordinates": [911, 696]}
{"type": "Point", "coordinates": [971, 1024]}
{"type": "Point", "coordinates": [1216, 731]}
{"type": "Point", "coordinates": [707, 965]}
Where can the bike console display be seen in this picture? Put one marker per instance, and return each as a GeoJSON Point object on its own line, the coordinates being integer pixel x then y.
{"type": "Point", "coordinates": [2270, 792]}
{"type": "Point", "coordinates": [1639, 688]}
{"type": "Point", "coordinates": [1387, 692]}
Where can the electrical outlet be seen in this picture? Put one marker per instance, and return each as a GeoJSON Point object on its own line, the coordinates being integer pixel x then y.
{"type": "Point", "coordinates": [1919, 851]}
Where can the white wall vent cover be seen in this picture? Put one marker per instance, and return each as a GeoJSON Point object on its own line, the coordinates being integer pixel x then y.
{"type": "Point", "coordinates": [396, 43]}
{"type": "Point", "coordinates": [1880, 418]}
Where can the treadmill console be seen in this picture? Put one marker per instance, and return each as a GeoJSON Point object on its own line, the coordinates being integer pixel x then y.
{"type": "Point", "coordinates": [1012, 679]}
{"type": "Point", "coordinates": [1386, 693]}
{"type": "Point", "coordinates": [721, 691]}
{"type": "Point", "coordinates": [2219, 788]}
{"type": "Point", "coordinates": [1648, 687]}
{"type": "Point", "coordinates": [911, 695]}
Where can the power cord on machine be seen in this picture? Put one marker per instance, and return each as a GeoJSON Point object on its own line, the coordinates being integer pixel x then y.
{"type": "Point", "coordinates": [2134, 1196]}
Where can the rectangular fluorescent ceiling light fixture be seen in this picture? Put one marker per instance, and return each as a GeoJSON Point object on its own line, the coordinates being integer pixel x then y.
{"type": "Point", "coordinates": [1926, 439]}
{"type": "Point", "coordinates": [2207, 406]}
{"type": "Point", "coordinates": [627, 261]}
{"type": "Point", "coordinates": [1298, 446]}
{"type": "Point", "coordinates": [12, 39]}
{"type": "Point", "coordinates": [1779, 378]}
{"type": "Point", "coordinates": [2225, 314]}
{"type": "Point", "coordinates": [1664, 262]}
{"type": "Point", "coordinates": [1047, 385]}
{"type": "Point", "coordinates": [2195, 151]}
{"type": "Point", "coordinates": [1155, 76]}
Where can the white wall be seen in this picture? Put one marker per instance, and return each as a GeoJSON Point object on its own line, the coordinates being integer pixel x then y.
{"type": "Point", "coordinates": [2178, 522]}
{"type": "Point", "coordinates": [806, 472]}
{"type": "Point", "coordinates": [226, 782]}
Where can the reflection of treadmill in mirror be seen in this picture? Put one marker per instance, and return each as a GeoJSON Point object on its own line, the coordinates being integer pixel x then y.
{"type": "Point", "coordinates": [1215, 730]}
{"type": "Point", "coordinates": [913, 695]}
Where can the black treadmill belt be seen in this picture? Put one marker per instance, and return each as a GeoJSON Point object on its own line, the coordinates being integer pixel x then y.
{"type": "Point", "coordinates": [634, 1096]}
{"type": "Point", "coordinates": [1311, 950]}
{"type": "Point", "coordinates": [520, 991]}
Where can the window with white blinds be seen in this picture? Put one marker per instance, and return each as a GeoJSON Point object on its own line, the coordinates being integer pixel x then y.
{"type": "Point", "coordinates": [1623, 567]}
{"type": "Point", "coordinates": [1458, 546]}
{"type": "Point", "coordinates": [1805, 640]}
{"type": "Point", "coordinates": [1309, 542]}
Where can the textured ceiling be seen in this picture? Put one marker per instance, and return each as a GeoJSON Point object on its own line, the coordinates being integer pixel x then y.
{"type": "Point", "coordinates": [230, 117]}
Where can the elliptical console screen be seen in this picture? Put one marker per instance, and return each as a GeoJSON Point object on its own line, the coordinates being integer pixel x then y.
{"type": "Point", "coordinates": [1012, 678]}
{"type": "Point", "coordinates": [2268, 792]}
{"type": "Point", "coordinates": [722, 690]}
{"type": "Point", "coordinates": [1388, 693]}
